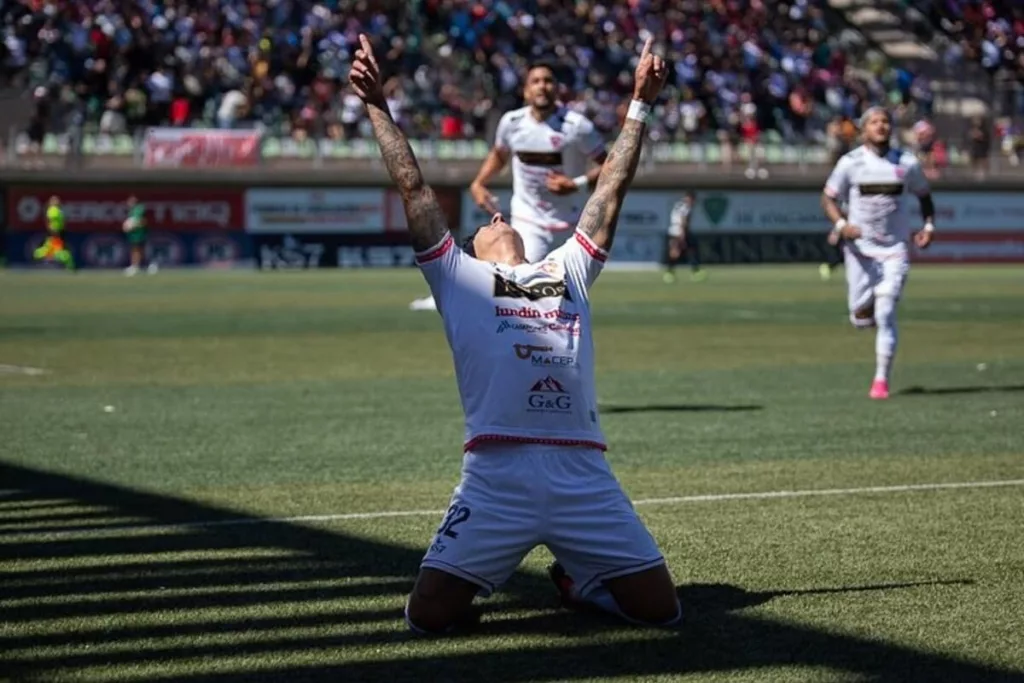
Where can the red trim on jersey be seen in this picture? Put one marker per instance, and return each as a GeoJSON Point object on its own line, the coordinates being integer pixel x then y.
{"type": "Point", "coordinates": [504, 438]}
{"type": "Point", "coordinates": [831, 192]}
{"type": "Point", "coordinates": [596, 252]}
{"type": "Point", "coordinates": [436, 252]}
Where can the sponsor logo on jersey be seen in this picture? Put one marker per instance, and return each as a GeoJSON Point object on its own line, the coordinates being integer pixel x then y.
{"type": "Point", "coordinates": [547, 395]}
{"type": "Point", "coordinates": [548, 289]}
{"type": "Point", "coordinates": [540, 356]}
{"type": "Point", "coordinates": [572, 329]}
{"type": "Point", "coordinates": [540, 158]}
{"type": "Point", "coordinates": [888, 189]}
{"type": "Point", "coordinates": [537, 314]}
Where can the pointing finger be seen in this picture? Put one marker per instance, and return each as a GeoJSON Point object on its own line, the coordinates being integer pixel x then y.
{"type": "Point", "coordinates": [647, 48]}
{"type": "Point", "coordinates": [365, 43]}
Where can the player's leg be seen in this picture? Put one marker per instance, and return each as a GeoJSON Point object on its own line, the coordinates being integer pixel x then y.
{"type": "Point", "coordinates": [693, 256]}
{"type": "Point", "coordinates": [669, 258]}
{"type": "Point", "coordinates": [493, 521]}
{"type": "Point", "coordinates": [606, 559]}
{"type": "Point", "coordinates": [861, 278]}
{"type": "Point", "coordinates": [894, 271]}
{"type": "Point", "coordinates": [834, 258]}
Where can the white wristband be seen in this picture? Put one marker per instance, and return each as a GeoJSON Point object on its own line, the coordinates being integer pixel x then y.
{"type": "Point", "coordinates": [929, 227]}
{"type": "Point", "coordinates": [581, 182]}
{"type": "Point", "coordinates": [638, 111]}
{"type": "Point", "coordinates": [840, 224]}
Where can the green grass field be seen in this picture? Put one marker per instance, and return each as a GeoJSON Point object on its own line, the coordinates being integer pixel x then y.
{"type": "Point", "coordinates": [232, 476]}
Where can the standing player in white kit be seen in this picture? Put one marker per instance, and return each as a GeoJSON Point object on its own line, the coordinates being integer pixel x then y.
{"type": "Point", "coordinates": [551, 148]}
{"type": "Point", "coordinates": [534, 471]}
{"type": "Point", "coordinates": [875, 179]}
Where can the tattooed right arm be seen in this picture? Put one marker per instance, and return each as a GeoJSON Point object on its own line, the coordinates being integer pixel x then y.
{"type": "Point", "coordinates": [427, 222]}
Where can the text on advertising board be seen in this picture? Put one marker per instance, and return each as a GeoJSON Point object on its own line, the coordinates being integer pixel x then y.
{"type": "Point", "coordinates": [87, 210]}
{"type": "Point", "coordinates": [201, 148]}
{"type": "Point", "coordinates": [315, 210]}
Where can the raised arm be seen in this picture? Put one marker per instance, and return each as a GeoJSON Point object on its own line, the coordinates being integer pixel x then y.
{"type": "Point", "coordinates": [601, 213]}
{"type": "Point", "coordinates": [427, 222]}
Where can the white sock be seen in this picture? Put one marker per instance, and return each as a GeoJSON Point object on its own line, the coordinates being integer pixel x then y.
{"type": "Point", "coordinates": [602, 597]}
{"type": "Point", "coordinates": [886, 336]}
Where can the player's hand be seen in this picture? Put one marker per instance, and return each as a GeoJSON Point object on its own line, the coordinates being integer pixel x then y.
{"type": "Point", "coordinates": [849, 232]}
{"type": "Point", "coordinates": [833, 238]}
{"type": "Point", "coordinates": [560, 184]}
{"type": "Point", "coordinates": [483, 198]}
{"type": "Point", "coordinates": [365, 74]}
{"type": "Point", "coordinates": [650, 75]}
{"type": "Point", "coordinates": [923, 239]}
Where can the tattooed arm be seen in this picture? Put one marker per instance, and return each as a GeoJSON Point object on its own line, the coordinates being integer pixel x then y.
{"type": "Point", "coordinates": [601, 213]}
{"type": "Point", "coordinates": [427, 222]}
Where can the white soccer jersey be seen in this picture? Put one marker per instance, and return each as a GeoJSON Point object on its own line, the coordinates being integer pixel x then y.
{"type": "Point", "coordinates": [876, 189]}
{"type": "Point", "coordinates": [564, 142]}
{"type": "Point", "coordinates": [521, 342]}
{"type": "Point", "coordinates": [678, 217]}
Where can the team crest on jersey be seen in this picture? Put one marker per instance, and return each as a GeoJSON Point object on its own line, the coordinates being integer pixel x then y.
{"type": "Point", "coordinates": [900, 172]}
{"type": "Point", "coordinates": [552, 268]}
{"type": "Point", "coordinates": [556, 141]}
{"type": "Point", "coordinates": [535, 291]}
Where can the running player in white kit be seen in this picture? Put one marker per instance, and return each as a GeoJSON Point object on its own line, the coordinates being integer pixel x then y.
{"type": "Point", "coordinates": [875, 179]}
{"type": "Point", "coordinates": [534, 471]}
{"type": "Point", "coordinates": [551, 148]}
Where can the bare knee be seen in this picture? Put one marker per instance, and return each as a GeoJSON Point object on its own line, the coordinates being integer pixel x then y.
{"type": "Point", "coordinates": [439, 601]}
{"type": "Point", "coordinates": [648, 597]}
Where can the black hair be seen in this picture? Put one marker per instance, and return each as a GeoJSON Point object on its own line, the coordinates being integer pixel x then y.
{"type": "Point", "coordinates": [541, 64]}
{"type": "Point", "coordinates": [467, 244]}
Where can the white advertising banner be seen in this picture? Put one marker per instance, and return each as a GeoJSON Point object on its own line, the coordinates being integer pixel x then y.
{"type": "Point", "coordinates": [315, 210]}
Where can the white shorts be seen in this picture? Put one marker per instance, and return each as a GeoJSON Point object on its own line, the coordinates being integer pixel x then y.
{"type": "Point", "coordinates": [538, 241]}
{"type": "Point", "coordinates": [868, 277]}
{"type": "Point", "coordinates": [513, 498]}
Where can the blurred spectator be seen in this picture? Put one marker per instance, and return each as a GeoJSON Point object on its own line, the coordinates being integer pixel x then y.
{"type": "Point", "coordinates": [979, 144]}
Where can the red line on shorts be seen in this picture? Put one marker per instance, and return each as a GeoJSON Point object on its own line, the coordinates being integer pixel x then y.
{"type": "Point", "coordinates": [504, 438]}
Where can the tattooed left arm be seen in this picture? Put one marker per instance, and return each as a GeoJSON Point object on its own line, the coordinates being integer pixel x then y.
{"type": "Point", "coordinates": [601, 212]}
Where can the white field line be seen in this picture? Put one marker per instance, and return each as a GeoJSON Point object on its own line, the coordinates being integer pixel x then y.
{"type": "Point", "coordinates": [677, 500]}
{"type": "Point", "coordinates": [21, 370]}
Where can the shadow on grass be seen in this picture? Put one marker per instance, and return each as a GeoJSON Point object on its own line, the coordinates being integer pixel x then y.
{"type": "Point", "coordinates": [944, 391]}
{"type": "Point", "coordinates": [680, 408]}
{"type": "Point", "coordinates": [195, 599]}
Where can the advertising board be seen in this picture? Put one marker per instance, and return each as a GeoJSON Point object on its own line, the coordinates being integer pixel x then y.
{"type": "Point", "coordinates": [306, 251]}
{"type": "Point", "coordinates": [201, 148]}
{"type": "Point", "coordinates": [103, 209]}
{"type": "Point", "coordinates": [110, 249]}
{"type": "Point", "coordinates": [315, 211]}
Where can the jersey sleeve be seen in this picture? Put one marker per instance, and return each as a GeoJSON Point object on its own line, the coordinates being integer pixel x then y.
{"type": "Point", "coordinates": [503, 136]}
{"type": "Point", "coordinates": [838, 184]}
{"type": "Point", "coordinates": [590, 139]}
{"type": "Point", "coordinates": [440, 265]}
{"type": "Point", "coordinates": [582, 259]}
{"type": "Point", "coordinates": [677, 219]}
{"type": "Point", "coordinates": [916, 181]}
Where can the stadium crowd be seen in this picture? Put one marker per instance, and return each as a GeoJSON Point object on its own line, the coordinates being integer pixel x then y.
{"type": "Point", "coordinates": [990, 32]}
{"type": "Point", "coordinates": [741, 67]}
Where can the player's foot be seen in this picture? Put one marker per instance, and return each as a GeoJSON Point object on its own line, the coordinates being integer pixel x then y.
{"type": "Point", "coordinates": [668, 278]}
{"type": "Point", "coordinates": [698, 276]}
{"type": "Point", "coordinates": [825, 272]}
{"type": "Point", "coordinates": [152, 268]}
{"type": "Point", "coordinates": [566, 588]}
{"type": "Point", "coordinates": [879, 390]}
{"type": "Point", "coordinates": [427, 303]}
{"type": "Point", "coordinates": [130, 271]}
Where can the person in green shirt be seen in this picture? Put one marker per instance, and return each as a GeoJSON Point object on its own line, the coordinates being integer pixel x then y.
{"type": "Point", "coordinates": [135, 231]}
{"type": "Point", "coordinates": [54, 247]}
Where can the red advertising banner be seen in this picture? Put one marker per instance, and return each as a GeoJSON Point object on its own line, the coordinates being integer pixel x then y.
{"type": "Point", "coordinates": [104, 209]}
{"type": "Point", "coordinates": [973, 247]}
{"type": "Point", "coordinates": [201, 148]}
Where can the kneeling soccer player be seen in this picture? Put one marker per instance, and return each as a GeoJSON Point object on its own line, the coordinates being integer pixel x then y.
{"type": "Point", "coordinates": [534, 471]}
